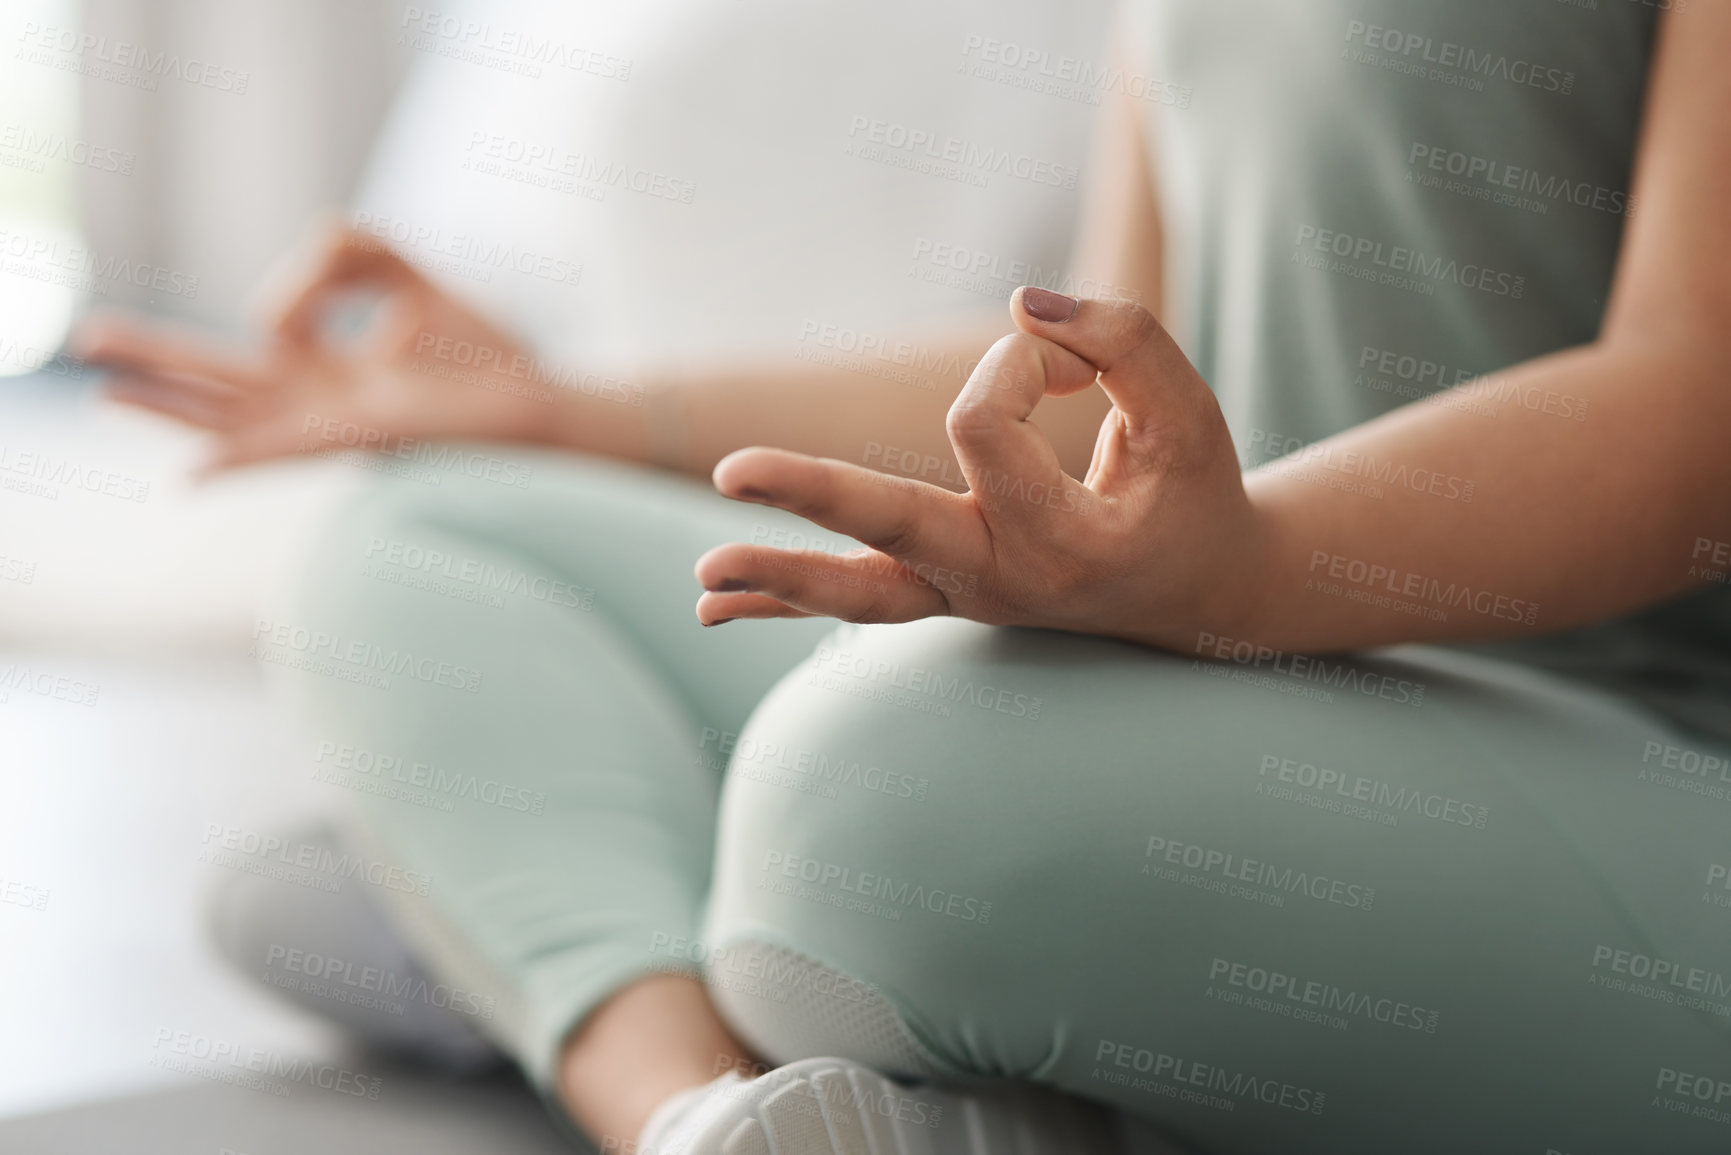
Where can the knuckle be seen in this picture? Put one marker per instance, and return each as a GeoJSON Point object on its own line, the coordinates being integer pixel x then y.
{"type": "Point", "coordinates": [1131, 326]}
{"type": "Point", "coordinates": [969, 422]}
{"type": "Point", "coordinates": [899, 537]}
{"type": "Point", "coordinates": [870, 614]}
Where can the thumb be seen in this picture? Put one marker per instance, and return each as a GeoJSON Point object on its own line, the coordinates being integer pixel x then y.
{"type": "Point", "coordinates": [1155, 389]}
{"type": "Point", "coordinates": [341, 260]}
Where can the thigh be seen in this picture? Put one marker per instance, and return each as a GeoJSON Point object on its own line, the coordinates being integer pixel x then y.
{"type": "Point", "coordinates": [1307, 905]}
{"type": "Point", "coordinates": [561, 536]}
{"type": "Point", "coordinates": [507, 686]}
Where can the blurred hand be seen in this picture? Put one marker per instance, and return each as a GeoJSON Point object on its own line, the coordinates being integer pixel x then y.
{"type": "Point", "coordinates": [1159, 542]}
{"type": "Point", "coordinates": [425, 367]}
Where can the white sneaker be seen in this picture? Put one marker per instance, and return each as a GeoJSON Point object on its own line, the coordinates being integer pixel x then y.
{"type": "Point", "coordinates": [838, 1107]}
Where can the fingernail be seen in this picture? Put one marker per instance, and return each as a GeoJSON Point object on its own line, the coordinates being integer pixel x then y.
{"type": "Point", "coordinates": [720, 622]}
{"type": "Point", "coordinates": [1045, 305]}
{"type": "Point", "coordinates": [729, 586]}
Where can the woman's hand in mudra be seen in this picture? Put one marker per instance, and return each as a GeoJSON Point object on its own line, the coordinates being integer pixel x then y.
{"type": "Point", "coordinates": [1158, 543]}
{"type": "Point", "coordinates": [425, 367]}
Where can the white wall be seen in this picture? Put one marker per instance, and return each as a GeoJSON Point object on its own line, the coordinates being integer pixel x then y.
{"type": "Point", "coordinates": [225, 181]}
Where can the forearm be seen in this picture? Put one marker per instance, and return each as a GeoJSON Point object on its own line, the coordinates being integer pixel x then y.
{"type": "Point", "coordinates": [883, 409]}
{"type": "Point", "coordinates": [1469, 517]}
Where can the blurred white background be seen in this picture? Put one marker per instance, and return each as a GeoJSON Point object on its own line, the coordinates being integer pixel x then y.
{"type": "Point", "coordinates": [145, 602]}
{"type": "Point", "coordinates": [163, 155]}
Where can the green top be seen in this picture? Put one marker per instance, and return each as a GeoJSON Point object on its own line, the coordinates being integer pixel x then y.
{"type": "Point", "coordinates": [1370, 201]}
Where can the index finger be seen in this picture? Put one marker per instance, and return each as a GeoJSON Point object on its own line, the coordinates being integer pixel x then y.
{"type": "Point", "coordinates": [909, 520]}
{"type": "Point", "coordinates": [346, 259]}
{"type": "Point", "coordinates": [118, 342]}
{"type": "Point", "coordinates": [999, 448]}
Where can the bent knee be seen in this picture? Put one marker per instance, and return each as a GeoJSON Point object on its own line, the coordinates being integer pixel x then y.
{"type": "Point", "coordinates": [883, 815]}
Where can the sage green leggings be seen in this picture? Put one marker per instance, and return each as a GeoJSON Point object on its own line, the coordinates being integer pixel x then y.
{"type": "Point", "coordinates": [1417, 902]}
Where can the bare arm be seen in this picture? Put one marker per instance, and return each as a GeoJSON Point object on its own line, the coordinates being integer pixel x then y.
{"type": "Point", "coordinates": [708, 412]}
{"type": "Point", "coordinates": [695, 416]}
{"type": "Point", "coordinates": [1166, 542]}
{"type": "Point", "coordinates": [1583, 520]}
{"type": "Point", "coordinates": [434, 369]}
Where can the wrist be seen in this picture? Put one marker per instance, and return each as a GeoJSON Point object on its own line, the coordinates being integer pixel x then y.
{"type": "Point", "coordinates": [596, 414]}
{"type": "Point", "coordinates": [1239, 602]}
{"type": "Point", "coordinates": [666, 425]}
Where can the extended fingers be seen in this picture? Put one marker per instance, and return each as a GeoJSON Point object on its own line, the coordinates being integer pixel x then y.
{"type": "Point", "coordinates": [193, 404]}
{"type": "Point", "coordinates": [863, 586]}
{"type": "Point", "coordinates": [715, 609]}
{"type": "Point", "coordinates": [130, 346]}
{"type": "Point", "coordinates": [248, 442]}
{"type": "Point", "coordinates": [909, 520]}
